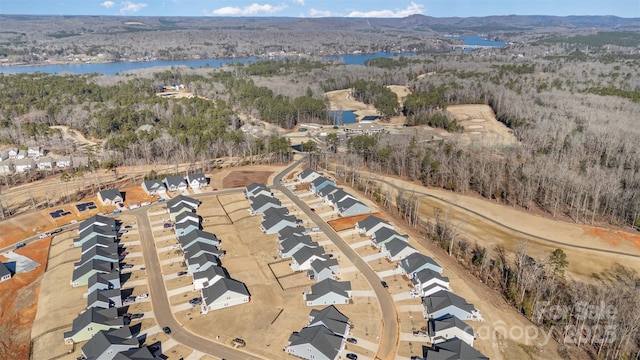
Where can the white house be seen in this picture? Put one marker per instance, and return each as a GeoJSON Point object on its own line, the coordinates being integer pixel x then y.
{"type": "Point", "coordinates": [224, 293]}
{"type": "Point", "coordinates": [315, 343]}
{"type": "Point", "coordinates": [196, 181]}
{"type": "Point", "coordinates": [328, 292]}
{"type": "Point", "coordinates": [384, 235]}
{"type": "Point", "coordinates": [13, 153]}
{"type": "Point", "coordinates": [308, 175]}
{"type": "Point", "coordinates": [452, 349]}
{"type": "Point", "coordinates": [154, 187]}
{"type": "Point", "coordinates": [5, 274]}
{"type": "Point", "coordinates": [45, 163]}
{"type": "Point", "coordinates": [351, 207]}
{"type": "Point", "coordinates": [371, 224]}
{"type": "Point", "coordinates": [25, 164]}
{"type": "Point", "coordinates": [7, 167]}
{"type": "Point", "coordinates": [428, 282]}
{"type": "Point", "coordinates": [181, 199]}
{"type": "Point", "coordinates": [175, 183]}
{"type": "Point", "coordinates": [396, 250]}
{"type": "Point", "coordinates": [64, 162]}
{"type": "Point", "coordinates": [110, 197]}
{"type": "Point", "coordinates": [321, 270]}
{"type": "Point", "coordinates": [208, 277]}
{"type": "Point", "coordinates": [301, 260]}
{"type": "Point", "coordinates": [445, 303]}
{"type": "Point", "coordinates": [450, 327]}
{"type": "Point", "coordinates": [416, 262]}
{"type": "Point", "coordinates": [34, 151]}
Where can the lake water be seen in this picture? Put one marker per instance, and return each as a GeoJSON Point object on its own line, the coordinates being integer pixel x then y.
{"type": "Point", "coordinates": [342, 117]}
{"type": "Point", "coordinates": [481, 41]}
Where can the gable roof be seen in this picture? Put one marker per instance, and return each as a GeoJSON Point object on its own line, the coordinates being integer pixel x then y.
{"type": "Point", "coordinates": [384, 233]}
{"type": "Point", "coordinates": [188, 216]}
{"type": "Point", "coordinates": [348, 203]}
{"type": "Point", "coordinates": [203, 259]}
{"type": "Point", "coordinates": [291, 242]}
{"type": "Point", "coordinates": [331, 318]}
{"type": "Point", "coordinates": [291, 231]}
{"type": "Point", "coordinates": [92, 265]}
{"type": "Point", "coordinates": [338, 195]}
{"type": "Point", "coordinates": [448, 322]}
{"type": "Point", "coordinates": [99, 230]}
{"type": "Point", "coordinates": [306, 172]}
{"type": "Point", "coordinates": [320, 338]}
{"type": "Point", "coordinates": [328, 190]}
{"type": "Point", "coordinates": [395, 246]}
{"type": "Point", "coordinates": [305, 253]}
{"type": "Point", "coordinates": [199, 177]}
{"type": "Point", "coordinates": [186, 224]}
{"type": "Point", "coordinates": [175, 180]}
{"type": "Point", "coordinates": [327, 286]}
{"type": "Point", "coordinates": [273, 219]}
{"type": "Point", "coordinates": [198, 247]}
{"type": "Point", "coordinates": [152, 185]}
{"type": "Point", "coordinates": [142, 353]}
{"type": "Point", "coordinates": [273, 210]}
{"type": "Point", "coordinates": [182, 199]}
{"type": "Point", "coordinates": [443, 299]}
{"type": "Point", "coordinates": [103, 340]}
{"type": "Point", "coordinates": [319, 181]}
{"type": "Point", "coordinates": [215, 291]}
{"type": "Point", "coordinates": [110, 194]}
{"type": "Point", "coordinates": [425, 275]}
{"type": "Point", "coordinates": [112, 277]}
{"type": "Point", "coordinates": [453, 349]}
{"type": "Point", "coordinates": [415, 261]}
{"type": "Point", "coordinates": [370, 221]}
{"type": "Point", "coordinates": [197, 235]}
{"type": "Point", "coordinates": [97, 219]}
{"type": "Point", "coordinates": [261, 200]}
{"type": "Point", "coordinates": [103, 242]}
{"type": "Point", "coordinates": [179, 208]}
{"type": "Point", "coordinates": [255, 186]}
{"type": "Point", "coordinates": [319, 265]}
{"type": "Point", "coordinates": [4, 271]}
{"type": "Point", "coordinates": [107, 317]}
{"type": "Point", "coordinates": [104, 296]}
{"type": "Point", "coordinates": [97, 252]}
{"type": "Point", "coordinates": [211, 272]}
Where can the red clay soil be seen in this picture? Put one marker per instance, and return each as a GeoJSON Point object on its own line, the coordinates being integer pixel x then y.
{"type": "Point", "coordinates": [303, 186]}
{"type": "Point", "coordinates": [243, 178]}
{"type": "Point", "coordinates": [612, 237]}
{"type": "Point", "coordinates": [19, 299]}
{"type": "Point", "coordinates": [350, 222]}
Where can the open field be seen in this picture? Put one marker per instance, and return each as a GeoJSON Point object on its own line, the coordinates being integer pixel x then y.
{"type": "Point", "coordinates": [241, 178]}
{"type": "Point", "coordinates": [480, 125]}
{"type": "Point", "coordinates": [350, 222]}
{"type": "Point", "coordinates": [342, 100]}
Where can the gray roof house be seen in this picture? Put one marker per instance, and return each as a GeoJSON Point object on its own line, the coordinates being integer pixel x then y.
{"type": "Point", "coordinates": [450, 327]}
{"type": "Point", "coordinates": [181, 199]}
{"type": "Point", "coordinates": [320, 182]}
{"type": "Point", "coordinates": [25, 164]}
{"type": "Point", "coordinates": [97, 253]}
{"type": "Point", "coordinates": [308, 175]}
{"type": "Point", "coordinates": [444, 303]}
{"type": "Point", "coordinates": [175, 183]}
{"type": "Point", "coordinates": [255, 189]}
{"type": "Point", "coordinates": [5, 273]}
{"type": "Point", "coordinates": [385, 234]}
{"type": "Point", "coordinates": [321, 270]}
{"type": "Point", "coordinates": [224, 293]}
{"type": "Point", "coordinates": [201, 262]}
{"type": "Point", "coordinates": [92, 231]}
{"type": "Point", "coordinates": [110, 197]}
{"type": "Point", "coordinates": [179, 209]}
{"type": "Point", "coordinates": [105, 344]}
{"type": "Point", "coordinates": [45, 163]}
{"type": "Point", "coordinates": [291, 231]}
{"type": "Point", "coordinates": [326, 191]}
{"type": "Point", "coordinates": [196, 181]}
{"type": "Point", "coordinates": [97, 220]}
{"type": "Point", "coordinates": [416, 262]}
{"type": "Point", "coordinates": [292, 244]}
{"type": "Point", "coordinates": [200, 248]}
{"type": "Point", "coordinates": [34, 151]}
{"type": "Point", "coordinates": [371, 224]}
{"type": "Point", "coordinates": [281, 211]}
{"type": "Point", "coordinates": [101, 242]}
{"type": "Point", "coordinates": [396, 250]}
{"type": "Point", "coordinates": [208, 277]}
{"type": "Point", "coordinates": [7, 167]}
{"type": "Point", "coordinates": [337, 196]}
{"type": "Point", "coordinates": [453, 349]}
{"type": "Point", "coordinates": [4, 155]}
{"type": "Point", "coordinates": [428, 282]}
{"type": "Point", "coordinates": [301, 260]}
{"type": "Point", "coordinates": [87, 324]}
{"type": "Point", "coordinates": [153, 187]}
{"type": "Point", "coordinates": [188, 216]}
{"type": "Point", "coordinates": [64, 162]}
{"type": "Point", "coordinates": [260, 203]}
{"type": "Point", "coordinates": [275, 223]}
{"type": "Point", "coordinates": [315, 343]}
{"type": "Point", "coordinates": [104, 299]}
{"type": "Point", "coordinates": [185, 227]}
{"type": "Point", "coordinates": [328, 292]}
{"type": "Point", "coordinates": [198, 236]}
{"type": "Point", "coordinates": [104, 281]}
{"type": "Point", "coordinates": [351, 207]}
{"type": "Point", "coordinates": [82, 274]}
{"type": "Point", "coordinates": [142, 353]}
{"type": "Point", "coordinates": [330, 318]}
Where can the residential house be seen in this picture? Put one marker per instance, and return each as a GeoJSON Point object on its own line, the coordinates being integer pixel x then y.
{"type": "Point", "coordinates": [64, 162]}
{"type": "Point", "coordinates": [87, 324]}
{"type": "Point", "coordinates": [142, 353]}
{"type": "Point", "coordinates": [332, 319]}
{"type": "Point", "coordinates": [450, 327]}
{"type": "Point", "coordinates": [208, 277]}
{"type": "Point", "coordinates": [96, 253]}
{"type": "Point", "coordinates": [188, 217]}
{"type": "Point", "coordinates": [328, 292]}
{"type": "Point", "coordinates": [104, 299]}
{"type": "Point", "coordinates": [367, 128]}
{"type": "Point", "coordinates": [255, 189]}
{"type": "Point", "coordinates": [201, 262]}
{"type": "Point", "coordinates": [197, 181]}
{"type": "Point", "coordinates": [110, 197]}
{"type": "Point", "coordinates": [444, 303]}
{"type": "Point", "coordinates": [260, 203]}
{"type": "Point", "coordinates": [452, 349]}
{"type": "Point", "coordinates": [181, 199]}
{"type": "Point", "coordinates": [5, 273]}
{"type": "Point", "coordinates": [428, 282]}
{"type": "Point", "coordinates": [25, 164]}
{"type": "Point", "coordinates": [384, 235]}
{"type": "Point", "coordinates": [416, 262]}
{"type": "Point", "coordinates": [92, 231]}
{"type": "Point", "coordinates": [154, 187]}
{"type": "Point", "coordinates": [301, 260]}
{"type": "Point", "coordinates": [44, 163]}
{"type": "Point", "coordinates": [179, 209]}
{"type": "Point", "coordinates": [275, 223]}
{"type": "Point", "coordinates": [80, 161]}
{"type": "Point", "coordinates": [321, 270]}
{"type": "Point", "coordinates": [103, 281]}
{"type": "Point", "coordinates": [106, 344]}
{"type": "Point", "coordinates": [351, 207]}
{"type": "Point", "coordinates": [175, 183]}
{"type": "Point", "coordinates": [82, 274]}
{"type": "Point", "coordinates": [185, 227]}
{"type": "Point", "coordinates": [278, 211]}
{"type": "Point", "coordinates": [291, 231]}
{"type": "Point", "coordinates": [315, 343]}
{"type": "Point", "coordinates": [337, 196]}
{"type": "Point", "coordinates": [4, 155]}
{"type": "Point", "coordinates": [371, 224]}
{"type": "Point", "coordinates": [224, 293]}
{"type": "Point", "coordinates": [7, 167]}
{"type": "Point", "coordinates": [34, 151]}
{"type": "Point", "coordinates": [13, 153]}
{"type": "Point", "coordinates": [97, 220]}
{"type": "Point", "coordinates": [308, 175]}
{"type": "Point", "coordinates": [200, 248]}
{"type": "Point", "coordinates": [100, 242]}
{"type": "Point", "coordinates": [198, 236]}
{"type": "Point", "coordinates": [318, 183]}
{"type": "Point", "coordinates": [292, 244]}
{"type": "Point", "coordinates": [326, 191]}
{"type": "Point", "coordinates": [396, 249]}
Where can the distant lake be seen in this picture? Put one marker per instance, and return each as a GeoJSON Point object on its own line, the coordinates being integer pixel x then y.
{"type": "Point", "coordinates": [117, 67]}
{"type": "Point", "coordinates": [481, 41]}
{"type": "Point", "coordinates": [342, 117]}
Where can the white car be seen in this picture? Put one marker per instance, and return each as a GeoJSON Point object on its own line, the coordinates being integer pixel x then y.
{"type": "Point", "coordinates": [166, 219]}
{"type": "Point", "coordinates": [414, 293]}
{"type": "Point", "coordinates": [142, 296]}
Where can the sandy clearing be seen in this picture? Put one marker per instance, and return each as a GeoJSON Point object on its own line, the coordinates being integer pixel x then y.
{"type": "Point", "coordinates": [73, 134]}
{"type": "Point", "coordinates": [493, 132]}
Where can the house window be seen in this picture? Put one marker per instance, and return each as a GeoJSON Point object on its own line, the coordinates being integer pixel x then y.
{"type": "Point", "coordinates": [90, 328]}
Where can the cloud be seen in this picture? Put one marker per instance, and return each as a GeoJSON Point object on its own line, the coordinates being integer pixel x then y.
{"type": "Point", "coordinates": [108, 4]}
{"type": "Point", "coordinates": [411, 9]}
{"type": "Point", "coordinates": [319, 13]}
{"type": "Point", "coordinates": [127, 7]}
{"type": "Point", "coordinates": [252, 9]}
{"type": "Point", "coordinates": [299, 2]}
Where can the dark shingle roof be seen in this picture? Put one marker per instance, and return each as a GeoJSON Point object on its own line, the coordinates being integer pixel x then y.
{"type": "Point", "coordinates": [153, 185]}
{"type": "Point", "coordinates": [328, 190]}
{"type": "Point", "coordinates": [319, 180]}
{"type": "Point", "coordinates": [4, 271]}
{"type": "Point", "coordinates": [107, 317]}
{"type": "Point", "coordinates": [385, 233]}
{"type": "Point", "coordinates": [415, 261]}
{"type": "Point", "coordinates": [175, 180]}
{"type": "Point", "coordinates": [92, 265]}
{"type": "Point", "coordinates": [142, 353]}
{"type": "Point", "coordinates": [448, 322]}
{"type": "Point", "coordinates": [215, 291]}
{"type": "Point", "coordinates": [181, 198]}
{"type": "Point", "coordinates": [330, 318]}
{"type": "Point", "coordinates": [395, 246]}
{"type": "Point", "coordinates": [197, 235]}
{"type": "Point", "coordinates": [320, 338]}
{"type": "Point", "coordinates": [327, 286]}
{"type": "Point", "coordinates": [199, 248]}
{"type": "Point", "coordinates": [100, 230]}
{"type": "Point", "coordinates": [305, 253]}
{"type": "Point", "coordinates": [306, 172]}
{"type": "Point", "coordinates": [110, 194]}
{"type": "Point", "coordinates": [97, 219]}
{"type": "Point", "coordinates": [443, 299]}
{"type": "Point", "coordinates": [200, 178]}
{"type": "Point", "coordinates": [453, 349]}
{"type": "Point", "coordinates": [369, 222]}
{"type": "Point", "coordinates": [103, 339]}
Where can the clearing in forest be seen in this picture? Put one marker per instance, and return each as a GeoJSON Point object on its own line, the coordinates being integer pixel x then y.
{"type": "Point", "coordinates": [481, 126]}
{"type": "Point", "coordinates": [242, 178]}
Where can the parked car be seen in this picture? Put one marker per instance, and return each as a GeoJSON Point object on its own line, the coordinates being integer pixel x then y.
{"type": "Point", "coordinates": [351, 356]}
{"type": "Point", "coordinates": [384, 284]}
{"type": "Point", "coordinates": [21, 245]}
{"type": "Point", "coordinates": [414, 293]}
{"type": "Point", "coordinates": [419, 333]}
{"type": "Point", "coordinates": [167, 225]}
{"type": "Point", "coordinates": [129, 300]}
{"type": "Point", "coordinates": [142, 296]}
{"type": "Point", "coordinates": [167, 330]}
{"type": "Point", "coordinates": [136, 316]}
{"type": "Point", "coordinates": [352, 340]}
{"type": "Point", "coordinates": [154, 348]}
{"type": "Point", "coordinates": [239, 342]}
{"type": "Point", "coordinates": [128, 227]}
{"type": "Point", "coordinates": [161, 200]}
{"type": "Point", "coordinates": [124, 253]}
{"type": "Point", "coordinates": [124, 231]}
{"type": "Point", "coordinates": [182, 273]}
{"type": "Point", "coordinates": [121, 205]}
{"type": "Point", "coordinates": [195, 301]}
{"type": "Point", "coordinates": [42, 236]}
{"type": "Point", "coordinates": [127, 315]}
{"type": "Point", "coordinates": [166, 219]}
{"type": "Point", "coordinates": [55, 231]}
{"type": "Point", "coordinates": [126, 266]}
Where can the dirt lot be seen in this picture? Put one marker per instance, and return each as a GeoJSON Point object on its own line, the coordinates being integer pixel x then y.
{"type": "Point", "coordinates": [350, 222]}
{"type": "Point", "coordinates": [19, 299]}
{"type": "Point", "coordinates": [242, 178]}
{"type": "Point", "coordinates": [480, 125]}
{"type": "Point", "coordinates": [342, 100]}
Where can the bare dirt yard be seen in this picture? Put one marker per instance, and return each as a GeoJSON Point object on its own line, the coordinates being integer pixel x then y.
{"type": "Point", "coordinates": [481, 126]}
{"type": "Point", "coordinates": [19, 299]}
{"type": "Point", "coordinates": [242, 178]}
{"type": "Point", "coordinates": [350, 222]}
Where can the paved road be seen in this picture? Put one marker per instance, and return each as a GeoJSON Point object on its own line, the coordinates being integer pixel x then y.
{"type": "Point", "coordinates": [34, 238]}
{"type": "Point", "coordinates": [158, 294]}
{"type": "Point", "coordinates": [388, 346]}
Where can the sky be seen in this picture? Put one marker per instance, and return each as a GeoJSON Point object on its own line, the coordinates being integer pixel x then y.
{"type": "Point", "coordinates": [322, 8]}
